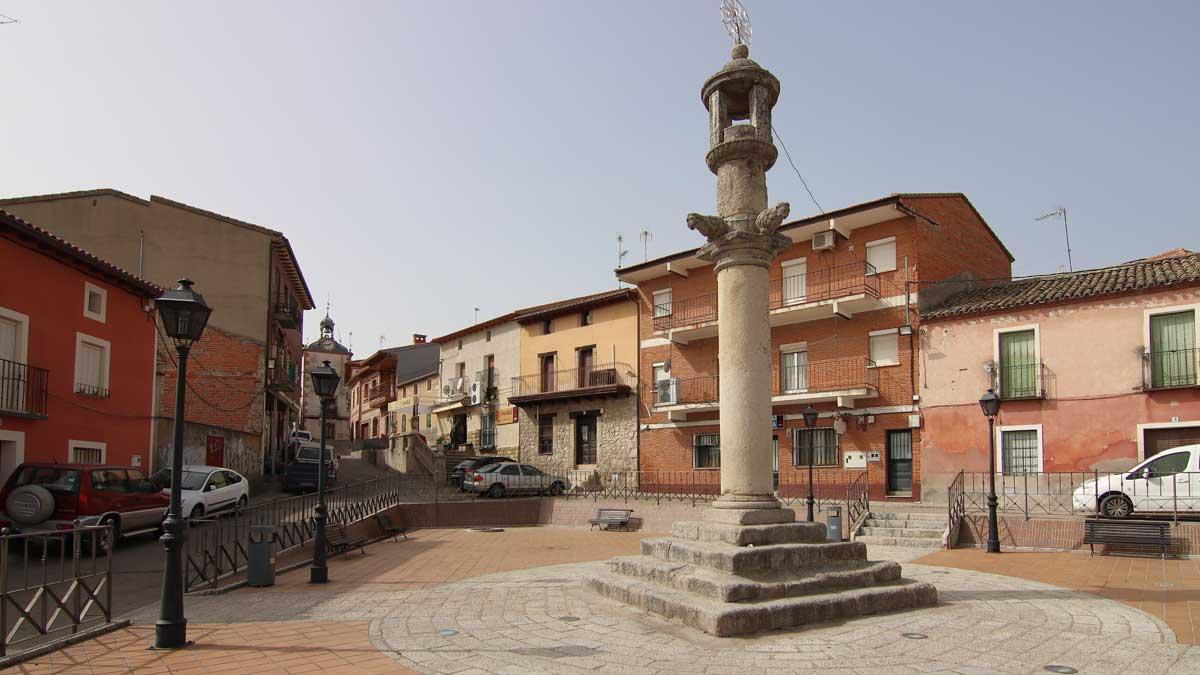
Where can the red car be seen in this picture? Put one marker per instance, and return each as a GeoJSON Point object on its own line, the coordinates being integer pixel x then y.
{"type": "Point", "coordinates": [45, 496]}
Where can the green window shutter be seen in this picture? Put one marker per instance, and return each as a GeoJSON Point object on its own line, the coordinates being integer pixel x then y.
{"type": "Point", "coordinates": [1018, 365]}
{"type": "Point", "coordinates": [1173, 349]}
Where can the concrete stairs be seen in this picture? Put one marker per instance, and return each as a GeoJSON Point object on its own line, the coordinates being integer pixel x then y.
{"type": "Point", "coordinates": [737, 579]}
{"type": "Point", "coordinates": [914, 529]}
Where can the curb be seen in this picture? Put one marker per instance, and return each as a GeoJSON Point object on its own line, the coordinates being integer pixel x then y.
{"type": "Point", "coordinates": [55, 645]}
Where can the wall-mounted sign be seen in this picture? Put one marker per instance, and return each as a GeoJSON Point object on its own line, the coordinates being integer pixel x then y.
{"type": "Point", "coordinates": [874, 455]}
{"type": "Point", "coordinates": [854, 459]}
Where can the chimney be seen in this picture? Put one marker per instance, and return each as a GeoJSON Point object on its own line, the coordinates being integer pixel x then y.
{"type": "Point", "coordinates": [418, 339]}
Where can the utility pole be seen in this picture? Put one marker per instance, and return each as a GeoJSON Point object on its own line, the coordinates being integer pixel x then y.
{"type": "Point", "coordinates": [1062, 212]}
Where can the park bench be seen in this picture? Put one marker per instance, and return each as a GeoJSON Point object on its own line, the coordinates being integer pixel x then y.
{"type": "Point", "coordinates": [389, 528]}
{"type": "Point", "coordinates": [607, 518]}
{"type": "Point", "coordinates": [1126, 533]}
{"type": "Point", "coordinates": [340, 542]}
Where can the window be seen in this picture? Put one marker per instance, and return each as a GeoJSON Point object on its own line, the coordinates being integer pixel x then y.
{"type": "Point", "coordinates": [511, 470]}
{"type": "Point", "coordinates": [1172, 350]}
{"type": "Point", "coordinates": [545, 434]}
{"type": "Point", "coordinates": [585, 318]}
{"type": "Point", "coordinates": [793, 367]}
{"type": "Point", "coordinates": [487, 430]}
{"type": "Point", "coordinates": [216, 480]}
{"type": "Point", "coordinates": [664, 386]}
{"type": "Point", "coordinates": [429, 385]}
{"type": "Point", "coordinates": [403, 422]}
{"type": "Point", "coordinates": [87, 452]}
{"type": "Point", "coordinates": [428, 420]}
{"type": "Point", "coordinates": [528, 470]}
{"type": "Point", "coordinates": [547, 326]}
{"type": "Point", "coordinates": [91, 365]}
{"type": "Point", "coordinates": [95, 302]}
{"type": "Point", "coordinates": [662, 302]}
{"type": "Point", "coordinates": [822, 444]}
{"type": "Point", "coordinates": [885, 347]}
{"type": "Point", "coordinates": [231, 478]}
{"type": "Point", "coordinates": [881, 254]}
{"type": "Point", "coordinates": [795, 281]}
{"type": "Point", "coordinates": [110, 480]}
{"type": "Point", "coordinates": [1166, 465]}
{"type": "Point", "coordinates": [1020, 449]}
{"type": "Point", "coordinates": [460, 345]}
{"type": "Point", "coordinates": [1017, 363]}
{"type": "Point", "coordinates": [706, 451]}
{"type": "Point", "coordinates": [375, 428]}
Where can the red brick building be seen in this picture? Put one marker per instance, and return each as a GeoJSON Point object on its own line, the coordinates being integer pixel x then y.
{"type": "Point", "coordinates": [77, 339]}
{"type": "Point", "coordinates": [845, 304]}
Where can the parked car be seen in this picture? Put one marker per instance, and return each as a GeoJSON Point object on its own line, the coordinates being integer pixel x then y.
{"type": "Point", "coordinates": [45, 496]}
{"type": "Point", "coordinates": [301, 472]}
{"type": "Point", "coordinates": [470, 465]}
{"type": "Point", "coordinates": [512, 478]}
{"type": "Point", "coordinates": [1167, 481]}
{"type": "Point", "coordinates": [205, 490]}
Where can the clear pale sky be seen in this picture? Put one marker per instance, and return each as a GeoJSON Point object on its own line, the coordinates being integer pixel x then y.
{"type": "Point", "coordinates": [427, 159]}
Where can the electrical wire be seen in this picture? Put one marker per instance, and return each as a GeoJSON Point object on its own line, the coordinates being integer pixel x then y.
{"type": "Point", "coordinates": [789, 159]}
{"type": "Point", "coordinates": [238, 408]}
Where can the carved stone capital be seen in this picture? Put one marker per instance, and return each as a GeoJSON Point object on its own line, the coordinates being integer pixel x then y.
{"type": "Point", "coordinates": [739, 247]}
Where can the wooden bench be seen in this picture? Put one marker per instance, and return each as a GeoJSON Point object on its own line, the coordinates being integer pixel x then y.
{"type": "Point", "coordinates": [339, 541]}
{"type": "Point", "coordinates": [607, 518]}
{"type": "Point", "coordinates": [389, 528]}
{"type": "Point", "coordinates": [1126, 533]}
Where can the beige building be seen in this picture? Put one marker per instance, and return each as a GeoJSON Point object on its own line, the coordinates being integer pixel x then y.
{"type": "Point", "coordinates": [472, 411]}
{"type": "Point", "coordinates": [577, 392]}
{"type": "Point", "coordinates": [337, 419]}
{"type": "Point", "coordinates": [412, 423]}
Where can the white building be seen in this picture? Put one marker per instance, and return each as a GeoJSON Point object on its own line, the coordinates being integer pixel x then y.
{"type": "Point", "coordinates": [476, 371]}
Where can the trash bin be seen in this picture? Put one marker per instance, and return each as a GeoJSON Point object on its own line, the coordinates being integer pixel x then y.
{"type": "Point", "coordinates": [260, 569]}
{"type": "Point", "coordinates": [833, 523]}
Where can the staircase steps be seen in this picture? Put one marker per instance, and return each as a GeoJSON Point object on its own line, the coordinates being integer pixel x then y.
{"type": "Point", "coordinates": [914, 529]}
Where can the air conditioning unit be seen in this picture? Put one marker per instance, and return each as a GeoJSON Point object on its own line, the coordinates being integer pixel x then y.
{"type": "Point", "coordinates": [824, 241]}
{"type": "Point", "coordinates": [476, 393]}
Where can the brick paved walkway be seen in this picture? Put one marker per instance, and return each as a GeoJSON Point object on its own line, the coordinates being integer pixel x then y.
{"type": "Point", "coordinates": [1168, 589]}
{"type": "Point", "coordinates": [452, 601]}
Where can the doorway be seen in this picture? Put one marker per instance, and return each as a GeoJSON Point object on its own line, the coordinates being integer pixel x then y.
{"type": "Point", "coordinates": [899, 461]}
{"type": "Point", "coordinates": [585, 439]}
{"type": "Point", "coordinates": [12, 452]}
{"type": "Point", "coordinates": [458, 433]}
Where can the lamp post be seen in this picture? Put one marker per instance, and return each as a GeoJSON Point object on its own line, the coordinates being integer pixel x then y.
{"type": "Point", "coordinates": [184, 315]}
{"type": "Point", "coordinates": [810, 420]}
{"type": "Point", "coordinates": [325, 383]}
{"type": "Point", "coordinates": [990, 403]}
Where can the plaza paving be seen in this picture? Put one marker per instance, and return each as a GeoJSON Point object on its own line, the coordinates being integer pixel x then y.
{"type": "Point", "coordinates": [455, 601]}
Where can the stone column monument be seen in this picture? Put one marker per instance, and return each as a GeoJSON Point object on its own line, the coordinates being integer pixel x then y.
{"type": "Point", "coordinates": [746, 565]}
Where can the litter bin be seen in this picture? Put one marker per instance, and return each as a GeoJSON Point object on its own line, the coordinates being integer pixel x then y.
{"type": "Point", "coordinates": [260, 570]}
{"type": "Point", "coordinates": [833, 523]}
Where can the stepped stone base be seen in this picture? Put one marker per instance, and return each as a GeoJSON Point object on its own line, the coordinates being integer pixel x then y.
{"type": "Point", "coordinates": [766, 573]}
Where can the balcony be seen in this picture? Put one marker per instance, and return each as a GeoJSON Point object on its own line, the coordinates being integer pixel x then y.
{"type": "Point", "coordinates": [841, 380]}
{"type": "Point", "coordinates": [281, 378]}
{"type": "Point", "coordinates": [287, 313]}
{"type": "Point", "coordinates": [380, 394]}
{"type": "Point", "coordinates": [605, 379]}
{"type": "Point", "coordinates": [1014, 382]}
{"type": "Point", "coordinates": [842, 291]}
{"type": "Point", "coordinates": [23, 390]}
{"type": "Point", "coordinates": [1171, 369]}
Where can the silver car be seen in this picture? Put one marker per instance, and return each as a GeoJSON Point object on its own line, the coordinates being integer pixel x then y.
{"type": "Point", "coordinates": [508, 478]}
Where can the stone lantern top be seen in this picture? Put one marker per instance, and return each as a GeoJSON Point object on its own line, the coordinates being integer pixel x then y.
{"type": "Point", "coordinates": [741, 91]}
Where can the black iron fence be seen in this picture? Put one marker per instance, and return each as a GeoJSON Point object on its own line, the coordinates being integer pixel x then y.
{"type": "Point", "coordinates": [53, 584]}
{"type": "Point", "coordinates": [1021, 380]}
{"type": "Point", "coordinates": [23, 389]}
{"type": "Point", "coordinates": [1171, 369]}
{"type": "Point", "coordinates": [574, 379]}
{"type": "Point", "coordinates": [956, 503]}
{"type": "Point", "coordinates": [1154, 492]}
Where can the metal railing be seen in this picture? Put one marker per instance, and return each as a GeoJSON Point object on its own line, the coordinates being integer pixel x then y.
{"type": "Point", "coordinates": [380, 393]}
{"type": "Point", "coordinates": [484, 439]}
{"type": "Point", "coordinates": [53, 584]}
{"type": "Point", "coordinates": [572, 379]}
{"type": "Point", "coordinates": [95, 391]}
{"type": "Point", "coordinates": [282, 377]}
{"type": "Point", "coordinates": [686, 312]}
{"type": "Point", "coordinates": [1171, 369]}
{"type": "Point", "coordinates": [1085, 493]}
{"type": "Point", "coordinates": [24, 389]}
{"type": "Point", "coordinates": [858, 501]}
{"type": "Point", "coordinates": [1018, 381]}
{"type": "Point", "coordinates": [816, 377]}
{"type": "Point", "coordinates": [682, 390]}
{"type": "Point", "coordinates": [287, 312]}
{"type": "Point", "coordinates": [956, 509]}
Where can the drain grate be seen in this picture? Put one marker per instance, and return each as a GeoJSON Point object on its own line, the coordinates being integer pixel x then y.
{"type": "Point", "coordinates": [914, 636]}
{"type": "Point", "coordinates": [568, 618]}
{"type": "Point", "coordinates": [1055, 668]}
{"type": "Point", "coordinates": [485, 529]}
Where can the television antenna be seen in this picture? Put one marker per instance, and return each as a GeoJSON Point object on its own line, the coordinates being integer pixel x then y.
{"type": "Point", "coordinates": [476, 316]}
{"type": "Point", "coordinates": [1061, 212]}
{"type": "Point", "coordinates": [4, 18]}
{"type": "Point", "coordinates": [621, 253]}
{"type": "Point", "coordinates": [737, 21]}
{"type": "Point", "coordinates": [646, 236]}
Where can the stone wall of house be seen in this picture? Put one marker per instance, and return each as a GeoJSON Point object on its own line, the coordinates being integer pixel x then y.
{"type": "Point", "coordinates": [616, 434]}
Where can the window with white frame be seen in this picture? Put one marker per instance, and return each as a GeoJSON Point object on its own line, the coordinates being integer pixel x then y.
{"type": "Point", "coordinates": [885, 347]}
{"type": "Point", "coordinates": [881, 254]}
{"type": "Point", "coordinates": [662, 302]}
{"type": "Point", "coordinates": [91, 365]}
{"type": "Point", "coordinates": [1020, 449]}
{"type": "Point", "coordinates": [822, 444]}
{"type": "Point", "coordinates": [795, 281]}
{"type": "Point", "coordinates": [95, 302]}
{"type": "Point", "coordinates": [1173, 358]}
{"type": "Point", "coordinates": [706, 451]}
{"type": "Point", "coordinates": [87, 452]}
{"type": "Point", "coordinates": [793, 370]}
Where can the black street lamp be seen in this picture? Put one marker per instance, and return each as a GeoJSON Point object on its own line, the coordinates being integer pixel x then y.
{"type": "Point", "coordinates": [990, 403]}
{"type": "Point", "coordinates": [325, 383]}
{"type": "Point", "coordinates": [184, 315]}
{"type": "Point", "coordinates": [810, 420]}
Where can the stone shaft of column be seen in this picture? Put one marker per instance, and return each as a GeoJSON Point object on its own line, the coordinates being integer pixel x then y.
{"type": "Point", "coordinates": [741, 189]}
{"type": "Point", "coordinates": [744, 335]}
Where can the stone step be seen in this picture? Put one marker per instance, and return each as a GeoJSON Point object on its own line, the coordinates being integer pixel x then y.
{"type": "Point", "coordinates": [735, 618]}
{"type": "Point", "coordinates": [743, 535]}
{"type": "Point", "coordinates": [907, 515]}
{"type": "Point", "coordinates": [730, 588]}
{"type": "Point", "coordinates": [917, 524]}
{"type": "Point", "coordinates": [751, 560]}
{"type": "Point", "coordinates": [911, 542]}
{"type": "Point", "coordinates": [902, 532]}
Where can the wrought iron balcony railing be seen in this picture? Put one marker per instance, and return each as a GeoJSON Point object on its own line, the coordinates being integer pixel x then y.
{"type": "Point", "coordinates": [282, 377]}
{"type": "Point", "coordinates": [287, 312]}
{"type": "Point", "coordinates": [381, 393]}
{"type": "Point", "coordinates": [816, 377]}
{"type": "Point", "coordinates": [23, 389]}
{"type": "Point", "coordinates": [95, 391]}
{"type": "Point", "coordinates": [1019, 380]}
{"type": "Point", "coordinates": [1171, 369]}
{"type": "Point", "coordinates": [570, 380]}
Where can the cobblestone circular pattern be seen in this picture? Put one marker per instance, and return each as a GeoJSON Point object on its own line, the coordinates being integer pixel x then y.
{"type": "Point", "coordinates": [514, 622]}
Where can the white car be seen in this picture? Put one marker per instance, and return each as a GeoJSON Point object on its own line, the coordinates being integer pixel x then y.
{"type": "Point", "coordinates": [497, 480]}
{"type": "Point", "coordinates": [1168, 481]}
{"type": "Point", "coordinates": [207, 489]}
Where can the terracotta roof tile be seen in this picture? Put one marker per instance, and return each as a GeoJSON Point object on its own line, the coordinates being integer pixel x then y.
{"type": "Point", "coordinates": [582, 301]}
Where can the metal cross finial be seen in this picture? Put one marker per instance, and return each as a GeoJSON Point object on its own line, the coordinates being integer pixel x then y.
{"type": "Point", "coordinates": [737, 21]}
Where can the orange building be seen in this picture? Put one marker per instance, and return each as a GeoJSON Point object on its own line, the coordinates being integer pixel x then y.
{"type": "Point", "coordinates": [845, 302]}
{"type": "Point", "coordinates": [77, 354]}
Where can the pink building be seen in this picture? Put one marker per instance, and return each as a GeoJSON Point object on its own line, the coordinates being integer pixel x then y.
{"type": "Point", "coordinates": [1097, 370]}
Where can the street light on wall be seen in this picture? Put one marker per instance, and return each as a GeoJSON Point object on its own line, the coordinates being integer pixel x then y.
{"type": "Point", "coordinates": [990, 403]}
{"type": "Point", "coordinates": [184, 315]}
{"type": "Point", "coordinates": [810, 415]}
{"type": "Point", "coordinates": [325, 383]}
